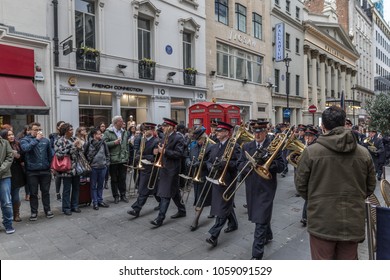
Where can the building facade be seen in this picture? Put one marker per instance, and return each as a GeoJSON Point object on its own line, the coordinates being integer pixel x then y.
{"type": "Point", "coordinates": [144, 59]}
{"type": "Point", "coordinates": [239, 55]}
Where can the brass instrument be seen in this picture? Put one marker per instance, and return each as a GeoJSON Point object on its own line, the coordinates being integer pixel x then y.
{"type": "Point", "coordinates": [159, 161]}
{"type": "Point", "coordinates": [278, 144]}
{"type": "Point", "coordinates": [141, 151]}
{"type": "Point", "coordinates": [237, 133]}
{"type": "Point", "coordinates": [186, 188]}
{"type": "Point", "coordinates": [202, 153]}
{"type": "Point", "coordinates": [296, 147]}
{"type": "Point", "coordinates": [370, 145]}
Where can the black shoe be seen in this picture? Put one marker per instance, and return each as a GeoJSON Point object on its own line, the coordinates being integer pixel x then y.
{"type": "Point", "coordinates": [283, 175]}
{"type": "Point", "coordinates": [76, 210]}
{"type": "Point", "coordinates": [58, 196]}
{"type": "Point", "coordinates": [157, 222]}
{"type": "Point", "coordinates": [210, 216]}
{"type": "Point", "coordinates": [379, 178]}
{"type": "Point", "coordinates": [179, 215]}
{"type": "Point", "coordinates": [212, 241]}
{"type": "Point", "coordinates": [49, 214]}
{"type": "Point", "coordinates": [96, 207]}
{"type": "Point", "coordinates": [133, 213]}
{"type": "Point", "coordinates": [157, 208]}
{"type": "Point", "coordinates": [230, 229]}
{"type": "Point", "coordinates": [194, 227]}
{"type": "Point", "coordinates": [124, 199]}
{"type": "Point", "coordinates": [33, 217]}
{"type": "Point", "coordinates": [303, 222]}
{"type": "Point", "coordinates": [103, 204]}
{"type": "Point", "coordinates": [67, 213]}
{"type": "Point", "coordinates": [116, 200]}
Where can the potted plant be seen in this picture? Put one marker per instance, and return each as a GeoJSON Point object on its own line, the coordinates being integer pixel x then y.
{"type": "Point", "coordinates": [83, 50]}
{"type": "Point", "coordinates": [191, 70]}
{"type": "Point", "coordinates": [148, 62]}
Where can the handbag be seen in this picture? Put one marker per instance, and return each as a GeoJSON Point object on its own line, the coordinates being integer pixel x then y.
{"type": "Point", "coordinates": [62, 164]}
{"type": "Point", "coordinates": [82, 166]}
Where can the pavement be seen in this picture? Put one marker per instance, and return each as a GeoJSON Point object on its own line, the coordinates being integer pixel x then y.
{"type": "Point", "coordinates": [111, 234]}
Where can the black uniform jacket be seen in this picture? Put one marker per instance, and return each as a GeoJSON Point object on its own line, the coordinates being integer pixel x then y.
{"type": "Point", "coordinates": [219, 206]}
{"type": "Point", "coordinates": [260, 192]}
{"type": "Point", "coordinates": [168, 183]}
{"type": "Point", "coordinates": [144, 174]}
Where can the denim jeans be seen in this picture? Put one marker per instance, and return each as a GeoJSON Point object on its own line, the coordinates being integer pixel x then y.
{"type": "Point", "coordinates": [5, 200]}
{"type": "Point", "coordinates": [97, 183]}
{"type": "Point", "coordinates": [70, 193]}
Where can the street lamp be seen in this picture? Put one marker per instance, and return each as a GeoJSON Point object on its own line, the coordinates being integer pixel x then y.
{"type": "Point", "coordinates": [353, 103]}
{"type": "Point", "coordinates": [287, 61]}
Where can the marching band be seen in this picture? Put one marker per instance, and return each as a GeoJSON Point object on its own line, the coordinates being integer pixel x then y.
{"type": "Point", "coordinates": [216, 165]}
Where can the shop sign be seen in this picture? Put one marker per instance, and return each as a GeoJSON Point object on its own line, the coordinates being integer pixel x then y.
{"type": "Point", "coordinates": [117, 87]}
{"type": "Point", "coordinates": [242, 39]}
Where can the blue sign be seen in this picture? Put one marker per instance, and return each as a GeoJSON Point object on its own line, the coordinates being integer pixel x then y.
{"type": "Point", "coordinates": [279, 42]}
{"type": "Point", "coordinates": [169, 49]}
{"type": "Point", "coordinates": [286, 113]}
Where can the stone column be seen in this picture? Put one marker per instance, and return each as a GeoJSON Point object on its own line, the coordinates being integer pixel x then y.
{"type": "Point", "coordinates": [322, 82]}
{"type": "Point", "coordinates": [336, 80]}
{"type": "Point", "coordinates": [306, 50]}
{"type": "Point", "coordinates": [314, 55]}
{"type": "Point", "coordinates": [279, 115]}
{"type": "Point", "coordinates": [293, 116]}
{"type": "Point", "coordinates": [348, 82]}
{"type": "Point", "coordinates": [329, 81]}
{"type": "Point", "coordinates": [343, 68]}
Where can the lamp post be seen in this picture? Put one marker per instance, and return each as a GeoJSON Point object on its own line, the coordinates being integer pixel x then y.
{"type": "Point", "coordinates": [287, 61]}
{"type": "Point", "coordinates": [353, 103]}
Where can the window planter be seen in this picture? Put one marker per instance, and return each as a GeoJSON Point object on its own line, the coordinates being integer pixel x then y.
{"type": "Point", "coordinates": [189, 77]}
{"type": "Point", "coordinates": [146, 69]}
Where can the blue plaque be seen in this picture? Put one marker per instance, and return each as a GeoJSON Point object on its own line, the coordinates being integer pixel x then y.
{"type": "Point", "coordinates": [169, 49]}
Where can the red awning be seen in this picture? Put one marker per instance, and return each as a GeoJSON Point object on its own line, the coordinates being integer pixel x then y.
{"type": "Point", "coordinates": [18, 96]}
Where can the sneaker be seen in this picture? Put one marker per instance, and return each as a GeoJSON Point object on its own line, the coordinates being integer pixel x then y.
{"type": "Point", "coordinates": [9, 230]}
{"type": "Point", "coordinates": [33, 217]}
{"type": "Point", "coordinates": [49, 214]}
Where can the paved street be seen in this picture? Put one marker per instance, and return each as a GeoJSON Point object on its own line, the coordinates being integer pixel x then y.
{"type": "Point", "coordinates": [112, 234]}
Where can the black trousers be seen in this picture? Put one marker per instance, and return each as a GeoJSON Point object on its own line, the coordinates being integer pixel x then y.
{"type": "Point", "coordinates": [118, 173]}
{"type": "Point", "coordinates": [164, 204]}
{"type": "Point", "coordinates": [262, 234]}
{"type": "Point", "coordinates": [221, 221]}
{"type": "Point", "coordinates": [39, 180]}
{"type": "Point", "coordinates": [140, 202]}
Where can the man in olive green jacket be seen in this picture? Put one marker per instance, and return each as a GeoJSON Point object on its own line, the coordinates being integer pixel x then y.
{"type": "Point", "coordinates": [117, 141]}
{"type": "Point", "coordinates": [6, 159]}
{"type": "Point", "coordinates": [335, 175]}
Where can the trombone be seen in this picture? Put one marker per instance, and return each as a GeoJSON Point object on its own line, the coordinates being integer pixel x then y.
{"type": "Point", "coordinates": [187, 188]}
{"type": "Point", "coordinates": [151, 186]}
{"type": "Point", "coordinates": [159, 163]}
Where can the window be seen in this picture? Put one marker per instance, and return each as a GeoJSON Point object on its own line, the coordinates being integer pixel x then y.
{"type": "Point", "coordinates": [257, 26]}
{"type": "Point", "coordinates": [288, 6]}
{"type": "Point", "coordinates": [287, 41]}
{"type": "Point", "coordinates": [297, 42]}
{"type": "Point", "coordinates": [277, 2]}
{"type": "Point", "coordinates": [85, 24]}
{"type": "Point", "coordinates": [277, 79]}
{"type": "Point", "coordinates": [297, 12]}
{"type": "Point", "coordinates": [187, 50]}
{"type": "Point", "coordinates": [222, 11]}
{"type": "Point", "coordinates": [297, 78]}
{"type": "Point", "coordinates": [238, 64]}
{"type": "Point", "coordinates": [240, 18]}
{"type": "Point", "coordinates": [144, 39]}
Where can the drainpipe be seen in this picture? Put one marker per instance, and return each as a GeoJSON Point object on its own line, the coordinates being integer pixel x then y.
{"type": "Point", "coordinates": [55, 38]}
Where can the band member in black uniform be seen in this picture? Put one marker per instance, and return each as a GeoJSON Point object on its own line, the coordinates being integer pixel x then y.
{"type": "Point", "coordinates": [147, 160]}
{"type": "Point", "coordinates": [171, 150]}
{"type": "Point", "coordinates": [260, 193]}
{"type": "Point", "coordinates": [301, 132]}
{"type": "Point", "coordinates": [223, 210]}
{"type": "Point", "coordinates": [311, 135]}
{"type": "Point", "coordinates": [375, 146]}
{"type": "Point", "coordinates": [213, 134]}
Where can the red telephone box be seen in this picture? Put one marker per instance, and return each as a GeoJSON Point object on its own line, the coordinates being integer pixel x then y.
{"type": "Point", "coordinates": [202, 113]}
{"type": "Point", "coordinates": [232, 114]}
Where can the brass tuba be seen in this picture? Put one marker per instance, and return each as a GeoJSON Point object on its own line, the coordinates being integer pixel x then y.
{"type": "Point", "coordinates": [278, 144]}
{"type": "Point", "coordinates": [200, 159]}
{"type": "Point", "coordinates": [297, 147]}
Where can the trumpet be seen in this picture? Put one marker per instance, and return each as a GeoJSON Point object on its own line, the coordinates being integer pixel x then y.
{"type": "Point", "coordinates": [278, 144]}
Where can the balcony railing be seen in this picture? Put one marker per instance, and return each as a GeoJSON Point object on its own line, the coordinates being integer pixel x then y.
{"type": "Point", "coordinates": [189, 78]}
{"type": "Point", "coordinates": [88, 62]}
{"type": "Point", "coordinates": [146, 71]}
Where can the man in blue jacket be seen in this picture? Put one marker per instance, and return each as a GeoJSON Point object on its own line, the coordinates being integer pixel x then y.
{"type": "Point", "coordinates": [38, 156]}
